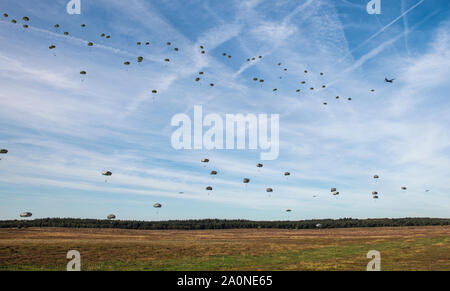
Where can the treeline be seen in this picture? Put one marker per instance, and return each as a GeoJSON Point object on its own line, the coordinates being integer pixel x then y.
{"type": "Point", "coordinates": [221, 224]}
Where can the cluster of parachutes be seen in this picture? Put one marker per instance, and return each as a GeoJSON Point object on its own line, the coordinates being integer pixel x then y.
{"type": "Point", "coordinates": [140, 59]}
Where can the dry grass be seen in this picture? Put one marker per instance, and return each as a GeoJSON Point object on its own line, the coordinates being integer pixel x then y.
{"type": "Point", "coordinates": [402, 248]}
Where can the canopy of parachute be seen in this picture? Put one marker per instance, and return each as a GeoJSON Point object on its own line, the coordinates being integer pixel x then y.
{"type": "Point", "coordinates": [318, 225]}
{"type": "Point", "coordinates": [259, 165]}
{"type": "Point", "coordinates": [209, 188]}
{"type": "Point", "coordinates": [246, 180]}
{"type": "Point", "coordinates": [287, 173]}
{"type": "Point", "coordinates": [376, 177]}
{"type": "Point", "coordinates": [111, 216]}
{"type": "Point", "coordinates": [3, 151]}
{"type": "Point", "coordinates": [157, 205]}
{"type": "Point", "coordinates": [374, 193]}
{"type": "Point", "coordinates": [333, 189]}
{"type": "Point", "coordinates": [214, 173]}
{"type": "Point", "coordinates": [107, 173]}
{"type": "Point", "coordinates": [26, 214]}
{"type": "Point", "coordinates": [205, 160]}
{"type": "Point", "coordinates": [335, 193]}
{"type": "Point", "coordinates": [288, 210]}
{"type": "Point", "coordinates": [404, 188]}
{"type": "Point", "coordinates": [269, 190]}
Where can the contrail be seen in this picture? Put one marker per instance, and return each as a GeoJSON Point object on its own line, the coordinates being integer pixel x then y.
{"type": "Point", "coordinates": [387, 26]}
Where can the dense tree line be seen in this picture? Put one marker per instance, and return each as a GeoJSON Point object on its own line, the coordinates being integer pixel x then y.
{"type": "Point", "coordinates": [221, 224]}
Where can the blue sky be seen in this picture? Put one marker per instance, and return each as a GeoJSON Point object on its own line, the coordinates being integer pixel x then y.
{"type": "Point", "coordinates": [62, 130]}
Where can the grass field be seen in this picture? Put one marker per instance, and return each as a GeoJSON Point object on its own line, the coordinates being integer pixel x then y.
{"type": "Point", "coordinates": [401, 248]}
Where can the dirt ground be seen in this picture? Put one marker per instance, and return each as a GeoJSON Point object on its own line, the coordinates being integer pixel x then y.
{"type": "Point", "coordinates": [401, 248]}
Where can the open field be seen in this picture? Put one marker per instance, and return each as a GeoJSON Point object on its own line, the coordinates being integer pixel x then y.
{"type": "Point", "coordinates": [401, 248]}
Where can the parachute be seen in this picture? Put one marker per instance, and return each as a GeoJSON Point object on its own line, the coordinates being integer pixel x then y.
{"type": "Point", "coordinates": [102, 35]}
{"type": "Point", "coordinates": [324, 86]}
{"type": "Point", "coordinates": [214, 173]}
{"type": "Point", "coordinates": [312, 88]}
{"type": "Point", "coordinates": [335, 193]}
{"type": "Point", "coordinates": [298, 90]}
{"type": "Point", "coordinates": [259, 165]}
{"type": "Point", "coordinates": [83, 73]}
{"type": "Point", "coordinates": [107, 173]}
{"type": "Point", "coordinates": [205, 160]}
{"type": "Point", "coordinates": [306, 71]}
{"type": "Point", "coordinates": [169, 43]}
{"type": "Point", "coordinates": [167, 60]}
{"type": "Point", "coordinates": [13, 21]}
{"type": "Point", "coordinates": [56, 25]}
{"type": "Point", "coordinates": [261, 81]}
{"type": "Point", "coordinates": [201, 47]}
{"type": "Point", "coordinates": [376, 177]}
{"type": "Point", "coordinates": [333, 189]}
{"type": "Point", "coordinates": [303, 82]}
{"type": "Point", "coordinates": [269, 190]}
{"type": "Point", "coordinates": [200, 73]}
{"type": "Point", "coordinates": [25, 26]}
{"type": "Point", "coordinates": [321, 74]}
{"type": "Point", "coordinates": [138, 43]}
{"type": "Point", "coordinates": [157, 205]}
{"type": "Point", "coordinates": [375, 197]}
{"type": "Point", "coordinates": [26, 214]}
{"type": "Point", "coordinates": [26, 18]}
{"type": "Point", "coordinates": [111, 216]}
{"type": "Point", "coordinates": [140, 59]}
{"type": "Point", "coordinates": [3, 151]}
{"type": "Point", "coordinates": [108, 36]}
{"type": "Point", "coordinates": [275, 89]}
{"type": "Point", "coordinates": [203, 52]}
{"type": "Point", "coordinates": [90, 44]}
{"type": "Point", "coordinates": [175, 49]}
{"type": "Point", "coordinates": [5, 15]}
{"type": "Point", "coordinates": [52, 47]}
{"type": "Point", "coordinates": [255, 79]}
{"type": "Point", "coordinates": [404, 188]}
{"type": "Point", "coordinates": [260, 57]}
{"type": "Point", "coordinates": [349, 99]}
{"type": "Point", "coordinates": [318, 225]}
{"type": "Point", "coordinates": [197, 79]}
{"type": "Point", "coordinates": [374, 193]}
{"type": "Point", "coordinates": [287, 173]}
{"type": "Point", "coordinates": [83, 25]}
{"type": "Point", "coordinates": [126, 63]}
{"type": "Point", "coordinates": [224, 54]}
{"type": "Point", "coordinates": [246, 180]}
{"type": "Point", "coordinates": [288, 210]}
{"type": "Point", "coordinates": [212, 84]}
{"type": "Point", "coordinates": [325, 103]}
{"type": "Point", "coordinates": [209, 188]}
{"type": "Point", "coordinates": [154, 91]}
{"type": "Point", "coordinates": [66, 33]}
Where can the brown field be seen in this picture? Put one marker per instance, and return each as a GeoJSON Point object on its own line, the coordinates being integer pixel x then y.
{"type": "Point", "coordinates": [401, 248]}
